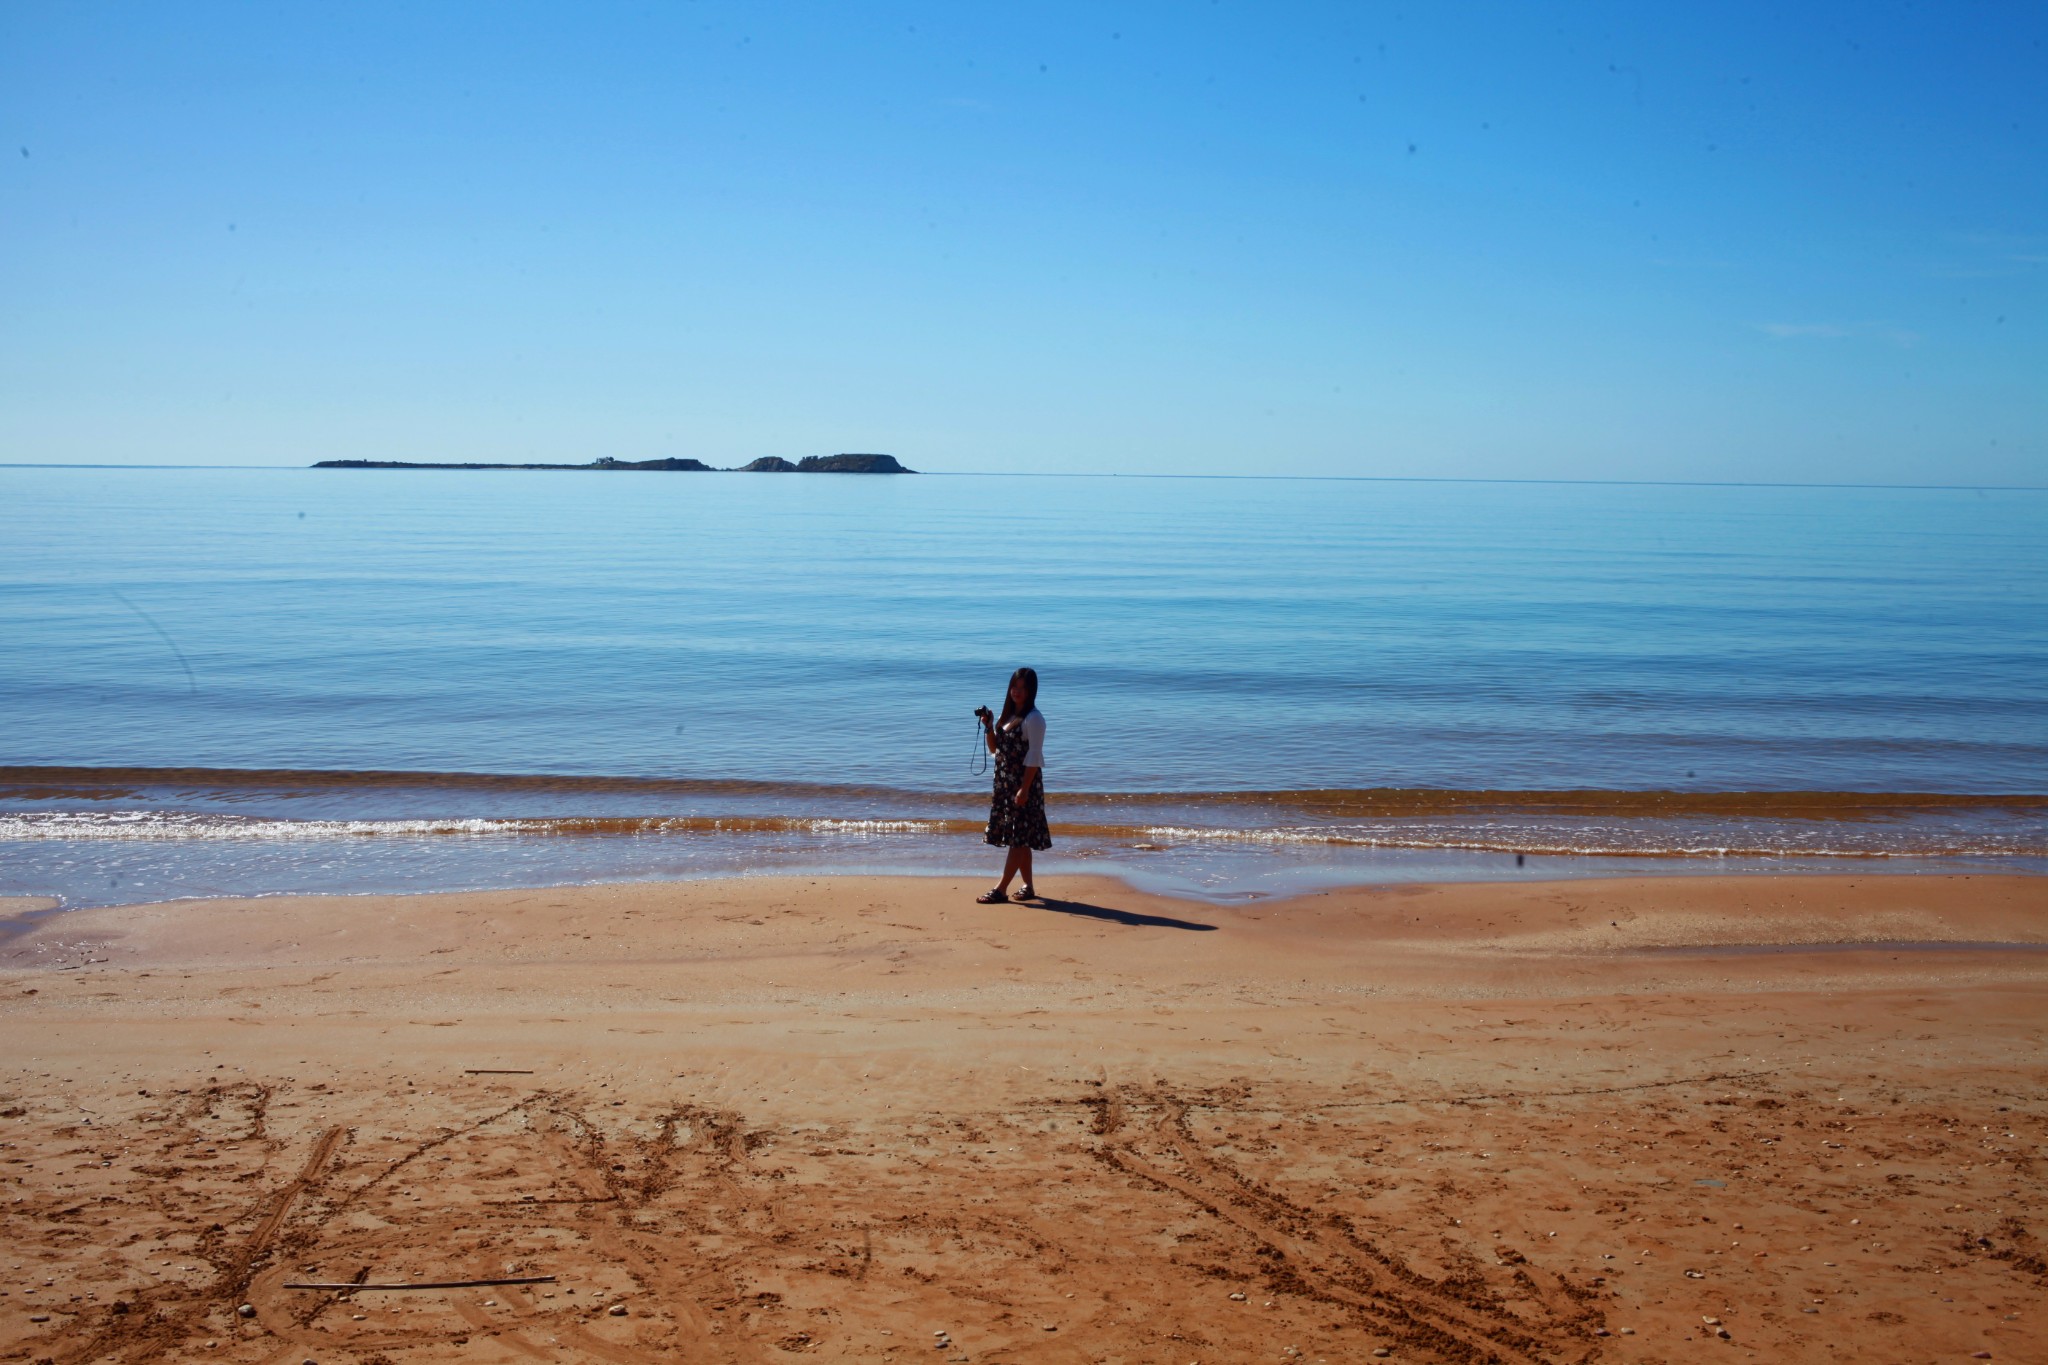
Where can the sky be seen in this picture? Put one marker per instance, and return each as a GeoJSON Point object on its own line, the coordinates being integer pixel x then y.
{"type": "Point", "coordinates": [1775, 242]}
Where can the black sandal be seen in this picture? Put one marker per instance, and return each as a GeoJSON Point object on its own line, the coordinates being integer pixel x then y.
{"type": "Point", "coordinates": [995, 895]}
{"type": "Point", "coordinates": [1026, 893]}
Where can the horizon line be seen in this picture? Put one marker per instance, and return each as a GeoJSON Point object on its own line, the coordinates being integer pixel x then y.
{"type": "Point", "coordinates": [1045, 474]}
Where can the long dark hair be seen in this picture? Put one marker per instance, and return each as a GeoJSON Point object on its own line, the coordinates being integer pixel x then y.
{"type": "Point", "coordinates": [1029, 677]}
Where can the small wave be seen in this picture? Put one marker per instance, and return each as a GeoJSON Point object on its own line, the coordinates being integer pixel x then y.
{"type": "Point", "coordinates": [1641, 838]}
{"type": "Point", "coordinates": [1649, 842]}
{"type": "Point", "coordinates": [173, 825]}
{"type": "Point", "coordinates": [114, 783]}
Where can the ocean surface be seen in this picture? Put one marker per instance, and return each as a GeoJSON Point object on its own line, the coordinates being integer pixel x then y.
{"type": "Point", "coordinates": [244, 681]}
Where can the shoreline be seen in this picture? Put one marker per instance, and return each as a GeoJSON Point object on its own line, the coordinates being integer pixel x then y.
{"type": "Point", "coordinates": [104, 836]}
{"type": "Point", "coordinates": [1212, 884]}
{"type": "Point", "coordinates": [1546, 1121]}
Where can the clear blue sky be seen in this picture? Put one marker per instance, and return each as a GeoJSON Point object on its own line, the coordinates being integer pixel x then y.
{"type": "Point", "coordinates": [1742, 241]}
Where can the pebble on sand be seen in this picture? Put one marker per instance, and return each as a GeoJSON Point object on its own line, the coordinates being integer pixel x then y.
{"type": "Point", "coordinates": [618, 1310]}
{"type": "Point", "coordinates": [247, 1310]}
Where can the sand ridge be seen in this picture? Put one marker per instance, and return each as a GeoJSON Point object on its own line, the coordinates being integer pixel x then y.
{"type": "Point", "coordinates": [769, 1118]}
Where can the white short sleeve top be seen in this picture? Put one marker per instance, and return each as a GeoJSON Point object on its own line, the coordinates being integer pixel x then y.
{"type": "Point", "coordinates": [1033, 726]}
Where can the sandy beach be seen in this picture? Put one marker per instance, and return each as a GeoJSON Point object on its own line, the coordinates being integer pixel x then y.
{"type": "Point", "coordinates": [1762, 1118]}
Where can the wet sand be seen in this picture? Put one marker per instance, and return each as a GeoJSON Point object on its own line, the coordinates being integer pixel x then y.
{"type": "Point", "coordinates": [863, 1118]}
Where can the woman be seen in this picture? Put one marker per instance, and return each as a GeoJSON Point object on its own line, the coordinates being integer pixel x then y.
{"type": "Point", "coordinates": [1016, 816]}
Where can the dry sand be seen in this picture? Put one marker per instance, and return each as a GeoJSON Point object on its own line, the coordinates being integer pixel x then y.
{"type": "Point", "coordinates": [864, 1118]}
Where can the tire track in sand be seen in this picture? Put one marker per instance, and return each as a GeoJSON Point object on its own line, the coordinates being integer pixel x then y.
{"type": "Point", "coordinates": [1323, 1258]}
{"type": "Point", "coordinates": [149, 1335]}
{"type": "Point", "coordinates": [267, 1227]}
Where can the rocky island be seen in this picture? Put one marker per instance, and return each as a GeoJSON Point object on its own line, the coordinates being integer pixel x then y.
{"type": "Point", "coordinates": [767, 464]}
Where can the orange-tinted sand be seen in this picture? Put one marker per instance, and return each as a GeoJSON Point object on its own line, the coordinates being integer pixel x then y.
{"type": "Point", "coordinates": [864, 1118]}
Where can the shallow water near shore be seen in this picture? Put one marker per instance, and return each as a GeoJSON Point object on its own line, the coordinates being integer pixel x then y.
{"type": "Point", "coordinates": [227, 681]}
{"type": "Point", "coordinates": [95, 837]}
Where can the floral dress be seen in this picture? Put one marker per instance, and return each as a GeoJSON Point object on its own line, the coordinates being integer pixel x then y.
{"type": "Point", "coordinates": [1011, 825]}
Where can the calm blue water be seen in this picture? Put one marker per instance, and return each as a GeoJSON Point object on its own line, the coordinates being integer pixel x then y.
{"type": "Point", "coordinates": [1194, 636]}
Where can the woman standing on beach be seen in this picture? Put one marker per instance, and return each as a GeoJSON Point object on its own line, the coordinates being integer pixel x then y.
{"type": "Point", "coordinates": [1016, 815]}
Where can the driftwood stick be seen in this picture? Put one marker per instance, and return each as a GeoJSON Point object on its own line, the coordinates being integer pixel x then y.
{"type": "Point", "coordinates": [496, 1071]}
{"type": "Point", "coordinates": [432, 1284]}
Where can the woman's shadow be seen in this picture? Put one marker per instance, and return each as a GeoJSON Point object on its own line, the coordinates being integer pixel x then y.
{"type": "Point", "coordinates": [1104, 912]}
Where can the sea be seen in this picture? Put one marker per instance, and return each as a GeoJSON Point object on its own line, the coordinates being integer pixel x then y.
{"type": "Point", "coordinates": [243, 681]}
